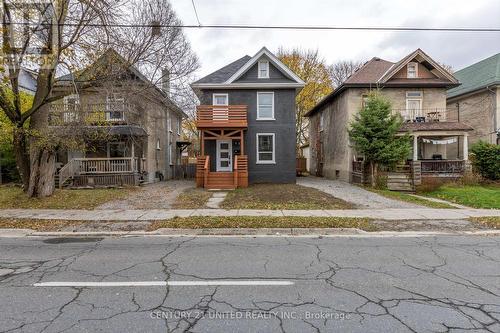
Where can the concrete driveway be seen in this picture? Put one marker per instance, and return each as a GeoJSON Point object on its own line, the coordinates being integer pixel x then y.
{"type": "Point", "coordinates": [353, 194]}
{"type": "Point", "coordinates": [230, 284]}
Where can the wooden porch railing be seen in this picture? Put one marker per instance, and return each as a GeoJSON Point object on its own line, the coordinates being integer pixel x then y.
{"type": "Point", "coordinates": [206, 170]}
{"type": "Point", "coordinates": [241, 171]}
{"type": "Point", "coordinates": [97, 166]}
{"type": "Point", "coordinates": [443, 166]}
{"type": "Point", "coordinates": [221, 116]}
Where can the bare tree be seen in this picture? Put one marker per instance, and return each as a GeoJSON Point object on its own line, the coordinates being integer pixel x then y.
{"type": "Point", "coordinates": [341, 70]}
{"type": "Point", "coordinates": [312, 69]}
{"type": "Point", "coordinates": [67, 36]}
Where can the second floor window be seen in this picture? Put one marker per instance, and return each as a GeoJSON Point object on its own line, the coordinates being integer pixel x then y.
{"type": "Point", "coordinates": [71, 104]}
{"type": "Point", "coordinates": [412, 72]}
{"type": "Point", "coordinates": [263, 70]}
{"type": "Point", "coordinates": [413, 105]}
{"type": "Point", "coordinates": [220, 99]}
{"type": "Point", "coordinates": [265, 106]}
{"type": "Point", "coordinates": [179, 124]}
{"type": "Point", "coordinates": [321, 120]}
{"type": "Point", "coordinates": [169, 123]}
{"type": "Point", "coordinates": [115, 107]}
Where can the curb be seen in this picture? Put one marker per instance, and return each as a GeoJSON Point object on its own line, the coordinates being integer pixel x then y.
{"type": "Point", "coordinates": [222, 232]}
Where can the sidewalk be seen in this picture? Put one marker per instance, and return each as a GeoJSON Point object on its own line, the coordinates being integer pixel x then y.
{"type": "Point", "coordinates": [164, 214]}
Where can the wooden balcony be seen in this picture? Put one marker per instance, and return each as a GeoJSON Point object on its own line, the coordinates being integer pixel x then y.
{"type": "Point", "coordinates": [92, 114]}
{"type": "Point", "coordinates": [215, 116]}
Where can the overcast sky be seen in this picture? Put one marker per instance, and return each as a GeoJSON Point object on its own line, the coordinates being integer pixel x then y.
{"type": "Point", "coordinates": [217, 48]}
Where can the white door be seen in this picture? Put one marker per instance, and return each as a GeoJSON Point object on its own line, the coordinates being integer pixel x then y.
{"type": "Point", "coordinates": [224, 150]}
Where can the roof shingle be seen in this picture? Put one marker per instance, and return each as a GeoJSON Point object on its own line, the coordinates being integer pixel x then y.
{"type": "Point", "coordinates": [479, 75]}
{"type": "Point", "coordinates": [223, 74]}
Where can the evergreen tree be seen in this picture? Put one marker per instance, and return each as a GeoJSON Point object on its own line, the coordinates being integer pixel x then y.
{"type": "Point", "coordinates": [374, 134]}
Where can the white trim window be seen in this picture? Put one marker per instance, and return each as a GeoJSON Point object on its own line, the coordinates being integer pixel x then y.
{"type": "Point", "coordinates": [158, 144]}
{"type": "Point", "coordinates": [412, 70]}
{"type": "Point", "coordinates": [179, 125]}
{"type": "Point", "coordinates": [172, 153]}
{"type": "Point", "coordinates": [263, 69]}
{"type": "Point", "coordinates": [413, 105]}
{"type": "Point", "coordinates": [115, 107]}
{"type": "Point", "coordinates": [321, 121]}
{"type": "Point", "coordinates": [266, 145]}
{"type": "Point", "coordinates": [220, 99]}
{"type": "Point", "coordinates": [71, 103]}
{"type": "Point", "coordinates": [265, 106]}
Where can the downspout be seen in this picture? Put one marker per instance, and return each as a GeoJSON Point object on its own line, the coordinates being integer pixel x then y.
{"type": "Point", "coordinates": [495, 111]}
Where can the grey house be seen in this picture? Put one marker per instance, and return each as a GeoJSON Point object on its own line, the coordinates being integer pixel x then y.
{"type": "Point", "coordinates": [247, 123]}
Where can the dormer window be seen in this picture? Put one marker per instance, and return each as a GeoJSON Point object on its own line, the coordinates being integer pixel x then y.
{"type": "Point", "coordinates": [412, 72]}
{"type": "Point", "coordinates": [263, 69]}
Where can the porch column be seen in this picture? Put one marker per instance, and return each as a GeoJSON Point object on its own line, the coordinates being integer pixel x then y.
{"type": "Point", "coordinates": [132, 153]}
{"type": "Point", "coordinates": [415, 147]}
{"type": "Point", "coordinates": [466, 147]}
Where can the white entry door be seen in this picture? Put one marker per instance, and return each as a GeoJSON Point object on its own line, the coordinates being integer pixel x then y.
{"type": "Point", "coordinates": [224, 150]}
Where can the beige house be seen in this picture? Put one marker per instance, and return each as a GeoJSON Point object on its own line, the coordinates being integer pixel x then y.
{"type": "Point", "coordinates": [416, 86]}
{"type": "Point", "coordinates": [132, 128]}
{"type": "Point", "coordinates": [477, 99]}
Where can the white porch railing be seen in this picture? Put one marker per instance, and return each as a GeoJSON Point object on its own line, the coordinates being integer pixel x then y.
{"type": "Point", "coordinates": [96, 166]}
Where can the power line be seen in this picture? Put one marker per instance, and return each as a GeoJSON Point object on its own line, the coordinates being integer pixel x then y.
{"type": "Point", "coordinates": [273, 27]}
{"type": "Point", "coordinates": [196, 13]}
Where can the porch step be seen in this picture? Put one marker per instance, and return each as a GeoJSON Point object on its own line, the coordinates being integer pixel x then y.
{"type": "Point", "coordinates": [220, 180]}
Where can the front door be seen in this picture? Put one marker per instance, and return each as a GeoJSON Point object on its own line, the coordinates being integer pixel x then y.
{"type": "Point", "coordinates": [224, 152]}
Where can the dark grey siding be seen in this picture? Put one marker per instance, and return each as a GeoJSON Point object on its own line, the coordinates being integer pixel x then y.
{"type": "Point", "coordinates": [283, 128]}
{"type": "Point", "coordinates": [275, 75]}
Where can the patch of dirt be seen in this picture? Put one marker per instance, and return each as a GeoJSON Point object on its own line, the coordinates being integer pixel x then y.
{"type": "Point", "coordinates": [160, 195]}
{"type": "Point", "coordinates": [427, 225]}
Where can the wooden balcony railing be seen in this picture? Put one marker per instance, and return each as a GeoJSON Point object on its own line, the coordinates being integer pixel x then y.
{"type": "Point", "coordinates": [215, 116]}
{"type": "Point", "coordinates": [427, 115]}
{"type": "Point", "coordinates": [89, 114]}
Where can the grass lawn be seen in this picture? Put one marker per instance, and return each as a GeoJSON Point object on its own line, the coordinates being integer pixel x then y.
{"type": "Point", "coordinates": [203, 222]}
{"type": "Point", "coordinates": [477, 196]}
{"type": "Point", "coordinates": [14, 197]}
{"type": "Point", "coordinates": [281, 196]}
{"type": "Point", "coordinates": [409, 198]}
{"type": "Point", "coordinates": [192, 198]}
{"type": "Point", "coordinates": [492, 222]}
{"type": "Point", "coordinates": [36, 224]}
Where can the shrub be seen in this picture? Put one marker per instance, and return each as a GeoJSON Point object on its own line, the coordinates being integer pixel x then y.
{"type": "Point", "coordinates": [486, 159]}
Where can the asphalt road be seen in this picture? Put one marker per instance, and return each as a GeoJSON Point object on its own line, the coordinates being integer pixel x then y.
{"type": "Point", "coordinates": [404, 284]}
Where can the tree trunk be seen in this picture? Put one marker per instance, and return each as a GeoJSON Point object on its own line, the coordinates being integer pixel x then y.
{"type": "Point", "coordinates": [42, 157]}
{"type": "Point", "coordinates": [22, 157]}
{"type": "Point", "coordinates": [43, 168]}
{"type": "Point", "coordinates": [372, 176]}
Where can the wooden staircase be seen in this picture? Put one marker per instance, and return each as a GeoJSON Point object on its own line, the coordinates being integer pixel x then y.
{"type": "Point", "coordinates": [401, 179]}
{"type": "Point", "coordinates": [222, 180]}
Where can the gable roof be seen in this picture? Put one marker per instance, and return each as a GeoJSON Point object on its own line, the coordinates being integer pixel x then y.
{"type": "Point", "coordinates": [423, 58]}
{"type": "Point", "coordinates": [379, 73]}
{"type": "Point", "coordinates": [223, 74]}
{"type": "Point", "coordinates": [227, 75]}
{"type": "Point", "coordinates": [111, 55]}
{"type": "Point", "coordinates": [477, 76]}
